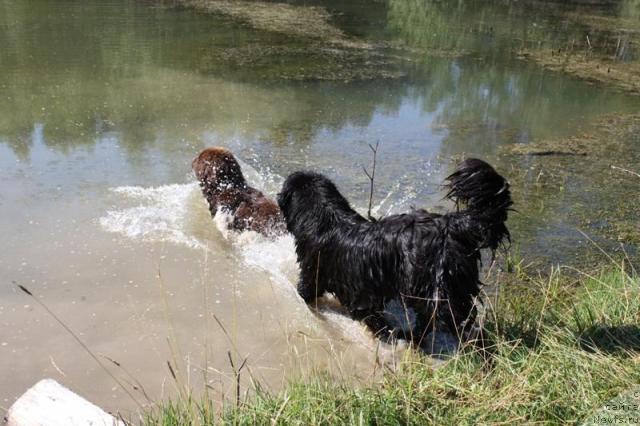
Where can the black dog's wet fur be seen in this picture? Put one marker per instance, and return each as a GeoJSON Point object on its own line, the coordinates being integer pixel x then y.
{"type": "Point", "coordinates": [430, 262]}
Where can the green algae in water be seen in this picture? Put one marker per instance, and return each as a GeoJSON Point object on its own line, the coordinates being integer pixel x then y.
{"type": "Point", "coordinates": [313, 61]}
{"type": "Point", "coordinates": [602, 144]}
{"type": "Point", "coordinates": [624, 76]}
{"type": "Point", "coordinates": [432, 28]}
{"type": "Point", "coordinates": [312, 48]}
{"type": "Point", "coordinates": [296, 21]}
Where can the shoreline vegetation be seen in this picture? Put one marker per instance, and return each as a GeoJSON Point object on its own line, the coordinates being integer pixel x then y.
{"type": "Point", "coordinates": [561, 347]}
{"type": "Point", "coordinates": [601, 48]}
{"type": "Point", "coordinates": [606, 51]}
{"type": "Point", "coordinates": [623, 76]}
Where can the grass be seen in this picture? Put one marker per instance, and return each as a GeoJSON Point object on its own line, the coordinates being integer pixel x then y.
{"type": "Point", "coordinates": [562, 347]}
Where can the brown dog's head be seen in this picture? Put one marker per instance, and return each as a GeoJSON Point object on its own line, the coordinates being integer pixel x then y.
{"type": "Point", "coordinates": [218, 169]}
{"type": "Point", "coordinates": [224, 187]}
{"type": "Point", "coordinates": [220, 177]}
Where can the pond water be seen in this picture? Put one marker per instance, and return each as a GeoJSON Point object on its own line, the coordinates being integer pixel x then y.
{"type": "Point", "coordinates": [105, 103]}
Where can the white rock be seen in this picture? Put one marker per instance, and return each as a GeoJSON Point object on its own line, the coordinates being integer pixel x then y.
{"type": "Point", "coordinates": [48, 403]}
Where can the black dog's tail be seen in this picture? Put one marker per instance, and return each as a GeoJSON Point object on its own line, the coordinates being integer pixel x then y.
{"type": "Point", "coordinates": [484, 196]}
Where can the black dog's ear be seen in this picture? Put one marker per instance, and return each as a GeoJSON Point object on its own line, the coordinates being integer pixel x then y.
{"type": "Point", "coordinates": [296, 182]}
{"type": "Point", "coordinates": [284, 197]}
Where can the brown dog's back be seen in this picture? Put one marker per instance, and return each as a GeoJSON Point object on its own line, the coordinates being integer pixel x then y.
{"type": "Point", "coordinates": [224, 187]}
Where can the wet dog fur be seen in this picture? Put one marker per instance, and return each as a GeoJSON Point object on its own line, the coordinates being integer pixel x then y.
{"type": "Point", "coordinates": [427, 263]}
{"type": "Point", "coordinates": [225, 189]}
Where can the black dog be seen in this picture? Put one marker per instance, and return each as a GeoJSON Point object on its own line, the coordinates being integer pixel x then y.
{"type": "Point", "coordinates": [426, 263]}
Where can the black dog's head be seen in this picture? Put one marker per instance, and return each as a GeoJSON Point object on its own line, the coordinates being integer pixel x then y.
{"type": "Point", "coordinates": [311, 203]}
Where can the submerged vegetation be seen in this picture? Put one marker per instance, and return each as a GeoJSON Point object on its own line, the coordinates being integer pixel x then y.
{"type": "Point", "coordinates": [594, 41]}
{"type": "Point", "coordinates": [554, 164]}
{"type": "Point", "coordinates": [302, 21]}
{"type": "Point", "coordinates": [308, 46]}
{"type": "Point", "coordinates": [603, 49]}
{"type": "Point", "coordinates": [609, 134]}
{"type": "Point", "coordinates": [562, 346]}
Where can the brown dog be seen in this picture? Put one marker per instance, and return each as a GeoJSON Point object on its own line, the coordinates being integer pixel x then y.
{"type": "Point", "coordinates": [225, 188]}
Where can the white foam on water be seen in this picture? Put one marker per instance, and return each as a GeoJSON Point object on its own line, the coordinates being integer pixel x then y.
{"type": "Point", "coordinates": [352, 329]}
{"type": "Point", "coordinates": [161, 215]}
{"type": "Point", "coordinates": [168, 212]}
{"type": "Point", "coordinates": [275, 255]}
{"type": "Point", "coordinates": [355, 331]}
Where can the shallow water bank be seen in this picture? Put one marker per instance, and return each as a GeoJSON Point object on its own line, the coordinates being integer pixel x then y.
{"type": "Point", "coordinates": [600, 70]}
{"type": "Point", "coordinates": [605, 142]}
{"type": "Point", "coordinates": [560, 351]}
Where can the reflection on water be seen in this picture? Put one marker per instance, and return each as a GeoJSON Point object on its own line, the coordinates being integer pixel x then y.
{"type": "Point", "coordinates": [105, 103]}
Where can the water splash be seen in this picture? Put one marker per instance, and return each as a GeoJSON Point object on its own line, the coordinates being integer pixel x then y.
{"type": "Point", "coordinates": [162, 214]}
{"type": "Point", "coordinates": [275, 255]}
{"type": "Point", "coordinates": [178, 214]}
